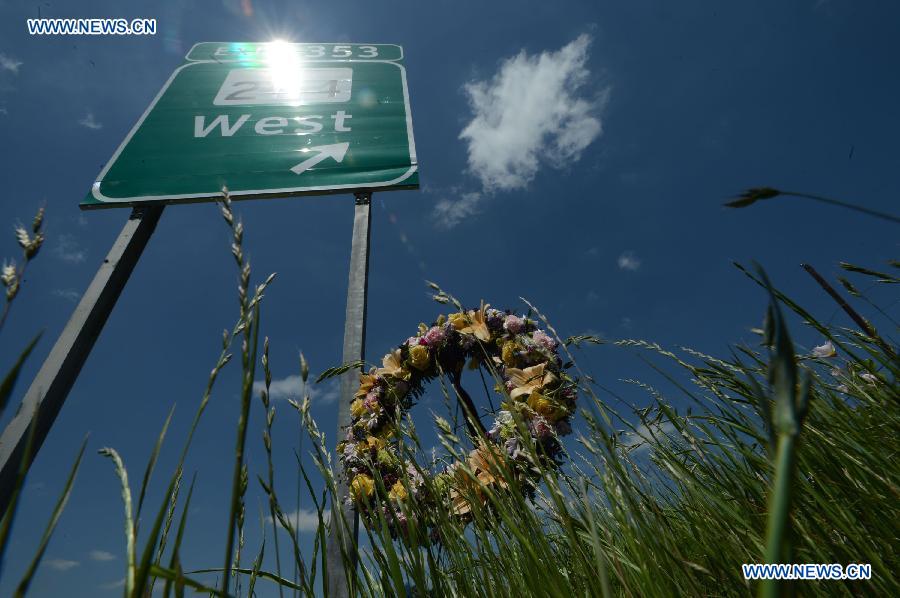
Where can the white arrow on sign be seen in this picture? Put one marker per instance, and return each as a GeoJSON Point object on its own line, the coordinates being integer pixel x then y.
{"type": "Point", "coordinates": [336, 151]}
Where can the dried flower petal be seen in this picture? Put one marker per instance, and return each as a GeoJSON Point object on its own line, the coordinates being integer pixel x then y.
{"type": "Point", "coordinates": [825, 350]}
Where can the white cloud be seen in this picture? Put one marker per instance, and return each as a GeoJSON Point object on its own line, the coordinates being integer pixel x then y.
{"type": "Point", "coordinates": [89, 122]}
{"type": "Point", "coordinates": [628, 261]}
{"type": "Point", "coordinates": [448, 213]}
{"type": "Point", "coordinates": [68, 250]}
{"type": "Point", "coordinates": [292, 387]}
{"type": "Point", "coordinates": [530, 111]}
{"type": "Point", "coordinates": [8, 63]}
{"type": "Point", "coordinates": [120, 583]}
{"type": "Point", "coordinates": [326, 392]}
{"type": "Point", "coordinates": [305, 520]}
{"type": "Point", "coordinates": [70, 295]}
{"type": "Point", "coordinates": [638, 440]}
{"type": "Point", "coordinates": [61, 564]}
{"type": "Point", "coordinates": [101, 555]}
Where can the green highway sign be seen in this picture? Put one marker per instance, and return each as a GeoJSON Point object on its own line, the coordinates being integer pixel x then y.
{"type": "Point", "coordinates": [268, 120]}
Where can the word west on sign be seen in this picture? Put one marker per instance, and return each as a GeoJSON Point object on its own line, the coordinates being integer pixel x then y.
{"type": "Point", "coordinates": [268, 120]}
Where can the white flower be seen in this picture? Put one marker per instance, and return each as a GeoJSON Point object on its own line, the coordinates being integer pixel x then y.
{"type": "Point", "coordinates": [825, 351]}
{"type": "Point", "coordinates": [870, 378]}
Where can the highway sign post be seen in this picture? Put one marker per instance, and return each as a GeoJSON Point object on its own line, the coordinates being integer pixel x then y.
{"type": "Point", "coordinates": [265, 120]}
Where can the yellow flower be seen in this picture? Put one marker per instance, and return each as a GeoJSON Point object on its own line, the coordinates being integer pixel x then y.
{"type": "Point", "coordinates": [358, 408]}
{"type": "Point", "coordinates": [419, 357]}
{"type": "Point", "coordinates": [486, 462]}
{"type": "Point", "coordinates": [476, 324]}
{"type": "Point", "coordinates": [393, 366]}
{"type": "Point", "coordinates": [398, 491]}
{"type": "Point", "coordinates": [528, 380]}
{"type": "Point", "coordinates": [457, 320]}
{"type": "Point", "coordinates": [546, 407]}
{"type": "Point", "coordinates": [362, 487]}
{"type": "Point", "coordinates": [483, 462]}
{"type": "Point", "coordinates": [509, 353]}
{"type": "Point", "coordinates": [366, 382]}
{"type": "Point", "coordinates": [461, 485]}
{"type": "Point", "coordinates": [376, 443]}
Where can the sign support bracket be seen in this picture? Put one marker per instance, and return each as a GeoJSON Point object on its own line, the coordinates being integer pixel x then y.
{"type": "Point", "coordinates": [51, 385]}
{"type": "Point", "coordinates": [342, 538]}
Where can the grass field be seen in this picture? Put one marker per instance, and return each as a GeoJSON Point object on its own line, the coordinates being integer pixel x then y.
{"type": "Point", "coordinates": [781, 457]}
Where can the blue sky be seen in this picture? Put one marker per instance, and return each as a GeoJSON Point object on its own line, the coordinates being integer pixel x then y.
{"type": "Point", "coordinates": [573, 153]}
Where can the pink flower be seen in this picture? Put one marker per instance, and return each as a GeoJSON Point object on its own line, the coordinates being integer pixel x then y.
{"type": "Point", "coordinates": [514, 324]}
{"type": "Point", "coordinates": [434, 336]}
{"type": "Point", "coordinates": [542, 338]}
{"type": "Point", "coordinates": [541, 428]}
{"type": "Point", "coordinates": [412, 341]}
{"type": "Point", "coordinates": [371, 402]}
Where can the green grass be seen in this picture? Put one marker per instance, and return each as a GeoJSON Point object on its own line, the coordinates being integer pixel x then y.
{"type": "Point", "coordinates": [777, 458]}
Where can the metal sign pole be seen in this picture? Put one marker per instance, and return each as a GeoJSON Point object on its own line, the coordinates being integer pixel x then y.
{"type": "Point", "coordinates": [50, 387]}
{"type": "Point", "coordinates": [354, 347]}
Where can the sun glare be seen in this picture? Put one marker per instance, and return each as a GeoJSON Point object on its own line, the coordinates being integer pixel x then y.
{"type": "Point", "coordinates": [286, 70]}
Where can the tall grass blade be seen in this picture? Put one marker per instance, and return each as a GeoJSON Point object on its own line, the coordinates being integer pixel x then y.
{"type": "Point", "coordinates": [251, 338]}
{"type": "Point", "coordinates": [151, 464]}
{"type": "Point", "coordinates": [255, 571]}
{"type": "Point", "coordinates": [51, 525]}
{"type": "Point", "coordinates": [790, 408]}
{"type": "Point", "coordinates": [281, 581]}
{"type": "Point", "coordinates": [122, 473]}
{"type": "Point", "coordinates": [175, 561]}
{"type": "Point", "coordinates": [178, 578]}
{"type": "Point", "coordinates": [10, 514]}
{"type": "Point", "coordinates": [9, 381]}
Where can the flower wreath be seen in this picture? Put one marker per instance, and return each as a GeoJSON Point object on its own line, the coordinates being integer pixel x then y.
{"type": "Point", "coordinates": [521, 355]}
